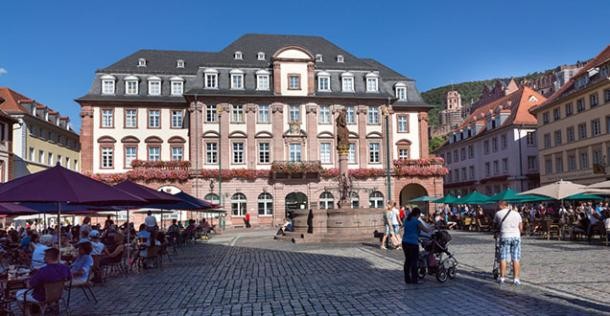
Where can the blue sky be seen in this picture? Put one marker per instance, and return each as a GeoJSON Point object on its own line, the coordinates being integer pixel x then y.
{"type": "Point", "coordinates": [51, 49]}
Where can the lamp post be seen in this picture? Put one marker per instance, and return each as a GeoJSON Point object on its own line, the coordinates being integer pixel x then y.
{"type": "Point", "coordinates": [219, 151]}
{"type": "Point", "coordinates": [386, 114]}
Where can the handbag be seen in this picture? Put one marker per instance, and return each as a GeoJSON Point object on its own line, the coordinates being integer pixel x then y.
{"type": "Point", "coordinates": [500, 225]}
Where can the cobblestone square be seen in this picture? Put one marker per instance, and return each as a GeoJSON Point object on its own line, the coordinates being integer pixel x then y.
{"type": "Point", "coordinates": [249, 273]}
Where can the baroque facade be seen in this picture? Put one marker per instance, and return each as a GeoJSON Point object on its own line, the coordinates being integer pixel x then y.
{"type": "Point", "coordinates": [256, 124]}
{"type": "Point", "coordinates": [574, 126]}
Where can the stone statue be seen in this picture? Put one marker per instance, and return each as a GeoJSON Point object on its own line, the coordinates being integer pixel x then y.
{"type": "Point", "coordinates": [342, 132]}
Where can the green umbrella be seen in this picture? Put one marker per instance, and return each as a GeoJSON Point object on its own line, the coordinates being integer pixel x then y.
{"type": "Point", "coordinates": [474, 197]}
{"type": "Point", "coordinates": [528, 198]}
{"type": "Point", "coordinates": [423, 198]}
{"type": "Point", "coordinates": [447, 199]}
{"type": "Point", "coordinates": [584, 197]}
{"type": "Point", "coordinates": [506, 195]}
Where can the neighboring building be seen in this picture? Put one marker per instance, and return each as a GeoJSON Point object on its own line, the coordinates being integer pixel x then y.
{"type": "Point", "coordinates": [452, 115]}
{"type": "Point", "coordinates": [574, 126]}
{"type": "Point", "coordinates": [263, 108]}
{"type": "Point", "coordinates": [499, 90]}
{"type": "Point", "coordinates": [6, 147]}
{"type": "Point", "coordinates": [495, 147]}
{"type": "Point", "coordinates": [41, 137]}
{"type": "Point", "coordinates": [550, 81]}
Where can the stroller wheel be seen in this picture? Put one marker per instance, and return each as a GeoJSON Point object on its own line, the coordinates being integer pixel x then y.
{"type": "Point", "coordinates": [421, 272]}
{"type": "Point", "coordinates": [441, 274]}
{"type": "Point", "coordinates": [495, 273]}
{"type": "Point", "coordinates": [451, 272]}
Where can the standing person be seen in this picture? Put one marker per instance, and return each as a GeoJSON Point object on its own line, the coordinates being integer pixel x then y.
{"type": "Point", "coordinates": [401, 214]}
{"type": "Point", "coordinates": [85, 228]}
{"type": "Point", "coordinates": [310, 222]}
{"type": "Point", "coordinates": [387, 221]}
{"type": "Point", "coordinates": [247, 220]}
{"type": "Point", "coordinates": [511, 226]}
{"type": "Point", "coordinates": [150, 221]}
{"type": "Point", "coordinates": [410, 243]}
{"type": "Point", "coordinates": [396, 223]}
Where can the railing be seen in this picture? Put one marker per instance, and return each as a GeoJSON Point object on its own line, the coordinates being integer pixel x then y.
{"type": "Point", "coordinates": [293, 167]}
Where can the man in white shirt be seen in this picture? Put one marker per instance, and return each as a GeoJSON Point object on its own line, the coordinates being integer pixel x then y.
{"type": "Point", "coordinates": [150, 221]}
{"type": "Point", "coordinates": [510, 225]}
{"type": "Point", "coordinates": [46, 241]}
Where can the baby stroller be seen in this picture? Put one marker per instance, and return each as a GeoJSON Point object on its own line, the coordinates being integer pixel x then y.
{"type": "Point", "coordinates": [436, 258]}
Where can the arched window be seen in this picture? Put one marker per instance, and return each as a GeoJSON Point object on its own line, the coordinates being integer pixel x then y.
{"type": "Point", "coordinates": [354, 199]}
{"type": "Point", "coordinates": [265, 204]}
{"type": "Point", "coordinates": [327, 201]}
{"type": "Point", "coordinates": [376, 200]}
{"type": "Point", "coordinates": [238, 204]}
{"type": "Point", "coordinates": [212, 197]}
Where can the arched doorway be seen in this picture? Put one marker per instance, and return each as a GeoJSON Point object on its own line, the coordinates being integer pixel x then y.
{"type": "Point", "coordinates": [295, 201]}
{"type": "Point", "coordinates": [411, 191]}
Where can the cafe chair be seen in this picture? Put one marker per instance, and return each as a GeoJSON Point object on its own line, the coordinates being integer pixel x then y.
{"type": "Point", "coordinates": [53, 292]}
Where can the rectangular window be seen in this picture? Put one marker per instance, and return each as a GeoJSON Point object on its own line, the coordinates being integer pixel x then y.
{"type": "Point", "coordinates": [558, 137]}
{"type": "Point", "coordinates": [177, 118]}
{"type": "Point", "coordinates": [403, 153]}
{"type": "Point", "coordinates": [154, 87]}
{"type": "Point", "coordinates": [593, 100]}
{"type": "Point", "coordinates": [374, 153]}
{"type": "Point", "coordinates": [570, 134]}
{"type": "Point", "coordinates": [463, 154]}
{"type": "Point", "coordinates": [584, 160]}
{"type": "Point", "coordinates": [294, 113]}
{"type": "Point", "coordinates": [154, 153]}
{"type": "Point", "coordinates": [548, 165]}
{"type": "Point", "coordinates": [107, 157]}
{"type": "Point", "coordinates": [107, 118]}
{"type": "Point", "coordinates": [211, 81]}
{"type": "Point", "coordinates": [325, 153]}
{"type": "Point", "coordinates": [496, 167]}
{"type": "Point", "coordinates": [263, 114]}
{"type": "Point", "coordinates": [177, 153]}
{"type": "Point", "coordinates": [294, 152]}
{"type": "Point", "coordinates": [608, 126]}
{"type": "Point", "coordinates": [237, 114]}
{"type": "Point", "coordinates": [264, 153]}
{"type": "Point", "coordinates": [547, 140]}
{"type": "Point", "coordinates": [238, 153]}
{"type": "Point", "coordinates": [41, 156]}
{"type": "Point", "coordinates": [486, 147]}
{"type": "Point", "coordinates": [607, 95]}
{"type": "Point", "coordinates": [471, 172]}
{"type": "Point", "coordinates": [177, 87]}
{"type": "Point", "coordinates": [464, 174]}
{"type": "Point", "coordinates": [503, 142]}
{"type": "Point", "coordinates": [569, 109]}
{"type": "Point", "coordinates": [76, 165]}
{"type": "Point", "coordinates": [294, 82]}
{"type": "Point", "coordinates": [571, 162]}
{"type": "Point", "coordinates": [373, 114]}
{"type": "Point", "coordinates": [531, 162]}
{"type": "Point", "coordinates": [131, 87]}
{"type": "Point", "coordinates": [580, 105]}
{"type": "Point", "coordinates": [68, 162]}
{"type": "Point", "coordinates": [50, 159]}
{"type": "Point", "coordinates": [505, 165]}
{"type": "Point", "coordinates": [210, 113]}
{"type": "Point", "coordinates": [401, 93]}
{"type": "Point", "coordinates": [347, 84]}
{"type": "Point", "coordinates": [449, 160]}
{"type": "Point", "coordinates": [131, 118]}
{"type": "Point", "coordinates": [403, 123]}
{"type": "Point", "coordinates": [545, 118]}
{"type": "Point", "coordinates": [371, 84]}
{"type": "Point", "coordinates": [154, 119]}
{"type": "Point", "coordinates": [596, 127]}
{"type": "Point", "coordinates": [455, 156]}
{"type": "Point", "coordinates": [531, 138]}
{"type": "Point", "coordinates": [350, 114]}
{"type": "Point", "coordinates": [107, 86]}
{"type": "Point", "coordinates": [597, 156]}
{"type": "Point", "coordinates": [456, 172]}
{"type": "Point", "coordinates": [131, 154]}
{"type": "Point", "coordinates": [582, 131]}
{"type": "Point", "coordinates": [31, 154]}
{"type": "Point", "coordinates": [211, 153]}
{"type": "Point", "coordinates": [487, 169]}
{"type": "Point", "coordinates": [237, 81]}
{"type": "Point", "coordinates": [59, 159]}
{"type": "Point", "coordinates": [324, 114]}
{"type": "Point", "coordinates": [323, 83]}
{"type": "Point", "coordinates": [470, 151]}
{"type": "Point", "coordinates": [556, 114]}
{"type": "Point", "coordinates": [351, 155]}
{"type": "Point", "coordinates": [494, 144]}
{"type": "Point", "coordinates": [262, 82]}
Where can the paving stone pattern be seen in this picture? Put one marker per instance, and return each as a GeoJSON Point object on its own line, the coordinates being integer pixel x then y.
{"type": "Point", "coordinates": [249, 273]}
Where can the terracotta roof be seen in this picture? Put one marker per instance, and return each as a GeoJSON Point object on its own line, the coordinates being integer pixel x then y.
{"type": "Point", "coordinates": [598, 60]}
{"type": "Point", "coordinates": [11, 100]}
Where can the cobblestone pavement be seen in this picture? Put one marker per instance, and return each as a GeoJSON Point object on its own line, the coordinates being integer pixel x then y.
{"type": "Point", "coordinates": [245, 273]}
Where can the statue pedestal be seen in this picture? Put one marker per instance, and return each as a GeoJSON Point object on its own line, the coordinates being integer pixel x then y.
{"type": "Point", "coordinates": [337, 225]}
{"type": "Point", "coordinates": [344, 187]}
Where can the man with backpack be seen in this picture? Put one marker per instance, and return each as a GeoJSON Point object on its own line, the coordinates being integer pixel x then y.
{"type": "Point", "coordinates": [510, 225]}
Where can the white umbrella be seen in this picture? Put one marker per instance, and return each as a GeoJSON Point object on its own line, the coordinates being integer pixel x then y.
{"type": "Point", "coordinates": [558, 190]}
{"type": "Point", "coordinates": [600, 185]}
{"type": "Point", "coordinates": [596, 191]}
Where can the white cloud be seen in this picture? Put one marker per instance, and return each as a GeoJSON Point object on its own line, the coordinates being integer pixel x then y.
{"type": "Point", "coordinates": [3, 71]}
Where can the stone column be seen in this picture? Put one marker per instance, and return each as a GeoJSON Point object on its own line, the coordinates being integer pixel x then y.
{"type": "Point", "coordinates": [277, 112]}
{"type": "Point", "coordinates": [362, 144]}
{"type": "Point", "coordinates": [86, 138]}
{"type": "Point", "coordinates": [225, 145]}
{"type": "Point", "coordinates": [251, 132]}
{"type": "Point", "coordinates": [422, 118]}
{"type": "Point", "coordinates": [311, 111]}
{"type": "Point", "coordinates": [387, 111]}
{"type": "Point", "coordinates": [311, 78]}
{"type": "Point", "coordinates": [277, 79]}
{"type": "Point", "coordinates": [195, 135]}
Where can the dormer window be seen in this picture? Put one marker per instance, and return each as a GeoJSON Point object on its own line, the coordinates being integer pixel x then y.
{"type": "Point", "coordinates": [323, 81]}
{"type": "Point", "coordinates": [260, 56]}
{"type": "Point", "coordinates": [237, 79]}
{"type": "Point", "coordinates": [262, 80]}
{"type": "Point", "coordinates": [154, 85]}
{"type": "Point", "coordinates": [347, 82]}
{"type": "Point", "coordinates": [401, 91]}
{"type": "Point", "coordinates": [177, 86]}
{"type": "Point", "coordinates": [179, 63]}
{"type": "Point", "coordinates": [340, 59]}
{"type": "Point", "coordinates": [372, 82]}
{"type": "Point", "coordinates": [131, 85]}
{"type": "Point", "coordinates": [108, 84]}
{"type": "Point", "coordinates": [141, 62]}
{"type": "Point", "coordinates": [319, 58]}
{"type": "Point", "coordinates": [238, 55]}
{"type": "Point", "coordinates": [210, 79]}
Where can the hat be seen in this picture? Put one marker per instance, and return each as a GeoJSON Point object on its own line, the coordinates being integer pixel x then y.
{"type": "Point", "coordinates": [94, 234]}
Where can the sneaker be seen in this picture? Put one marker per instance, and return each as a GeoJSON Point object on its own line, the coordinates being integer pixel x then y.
{"type": "Point", "coordinates": [383, 247]}
{"type": "Point", "coordinates": [399, 248]}
{"type": "Point", "coordinates": [516, 282]}
{"type": "Point", "coordinates": [501, 280]}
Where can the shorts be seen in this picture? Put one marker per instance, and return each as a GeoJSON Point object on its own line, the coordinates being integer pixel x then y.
{"type": "Point", "coordinates": [510, 247]}
{"type": "Point", "coordinates": [387, 230]}
{"type": "Point", "coordinates": [396, 229]}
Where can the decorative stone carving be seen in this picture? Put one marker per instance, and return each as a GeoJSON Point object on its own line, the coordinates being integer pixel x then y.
{"type": "Point", "coordinates": [276, 107]}
{"type": "Point", "coordinates": [311, 108]}
{"type": "Point", "coordinates": [251, 108]}
{"type": "Point", "coordinates": [362, 109]}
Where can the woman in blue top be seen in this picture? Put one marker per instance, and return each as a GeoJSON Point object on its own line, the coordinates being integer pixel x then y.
{"type": "Point", "coordinates": [410, 243]}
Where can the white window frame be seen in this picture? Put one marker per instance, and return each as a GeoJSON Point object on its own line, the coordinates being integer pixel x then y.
{"type": "Point", "coordinates": [210, 79]}
{"type": "Point", "coordinates": [400, 90]}
{"type": "Point", "coordinates": [324, 77]}
{"type": "Point", "coordinates": [350, 115]}
{"type": "Point", "coordinates": [211, 153]}
{"type": "Point", "coordinates": [295, 152]}
{"type": "Point", "coordinates": [174, 153]}
{"type": "Point", "coordinates": [403, 123]}
{"type": "Point", "coordinates": [327, 200]}
{"type": "Point", "coordinates": [130, 156]}
{"type": "Point", "coordinates": [347, 82]}
{"type": "Point", "coordinates": [351, 154]}
{"type": "Point", "coordinates": [108, 84]}
{"type": "Point", "coordinates": [266, 201]}
{"type": "Point", "coordinates": [260, 56]}
{"type": "Point", "coordinates": [403, 153]}
{"type": "Point", "coordinates": [263, 114]}
{"type": "Point", "coordinates": [264, 151]}
{"type": "Point", "coordinates": [107, 157]}
{"type": "Point", "coordinates": [211, 115]}
{"type": "Point", "coordinates": [174, 117]}
{"type": "Point", "coordinates": [324, 114]}
{"type": "Point", "coordinates": [151, 116]}
{"type": "Point", "coordinates": [129, 118]}
{"type": "Point", "coordinates": [238, 153]}
{"type": "Point", "coordinates": [107, 118]}
{"type": "Point", "coordinates": [325, 153]}
{"type": "Point", "coordinates": [262, 80]}
{"type": "Point", "coordinates": [153, 84]}
{"type": "Point", "coordinates": [154, 153]}
{"type": "Point", "coordinates": [372, 82]}
{"type": "Point", "coordinates": [177, 86]}
{"type": "Point", "coordinates": [376, 199]}
{"type": "Point", "coordinates": [237, 113]}
{"type": "Point", "coordinates": [237, 79]}
{"type": "Point", "coordinates": [294, 113]}
{"type": "Point", "coordinates": [374, 153]}
{"type": "Point", "coordinates": [239, 204]}
{"type": "Point", "coordinates": [373, 115]}
{"type": "Point", "coordinates": [131, 90]}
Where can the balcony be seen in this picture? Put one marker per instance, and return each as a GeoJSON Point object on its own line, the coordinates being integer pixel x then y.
{"type": "Point", "coordinates": [420, 167]}
{"type": "Point", "coordinates": [296, 169]}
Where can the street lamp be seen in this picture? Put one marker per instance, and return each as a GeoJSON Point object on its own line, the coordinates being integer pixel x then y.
{"type": "Point", "coordinates": [386, 114]}
{"type": "Point", "coordinates": [219, 151]}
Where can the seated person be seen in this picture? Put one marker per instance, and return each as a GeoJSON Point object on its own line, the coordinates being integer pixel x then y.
{"type": "Point", "coordinates": [114, 252]}
{"type": "Point", "coordinates": [205, 227]}
{"type": "Point", "coordinates": [53, 271]}
{"type": "Point", "coordinates": [96, 244]}
{"type": "Point", "coordinates": [38, 256]}
{"type": "Point", "coordinates": [81, 267]}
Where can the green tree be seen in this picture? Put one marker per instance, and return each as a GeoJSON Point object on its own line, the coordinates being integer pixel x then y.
{"type": "Point", "coordinates": [436, 142]}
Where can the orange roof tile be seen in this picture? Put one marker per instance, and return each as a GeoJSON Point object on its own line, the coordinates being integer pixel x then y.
{"type": "Point", "coordinates": [11, 100]}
